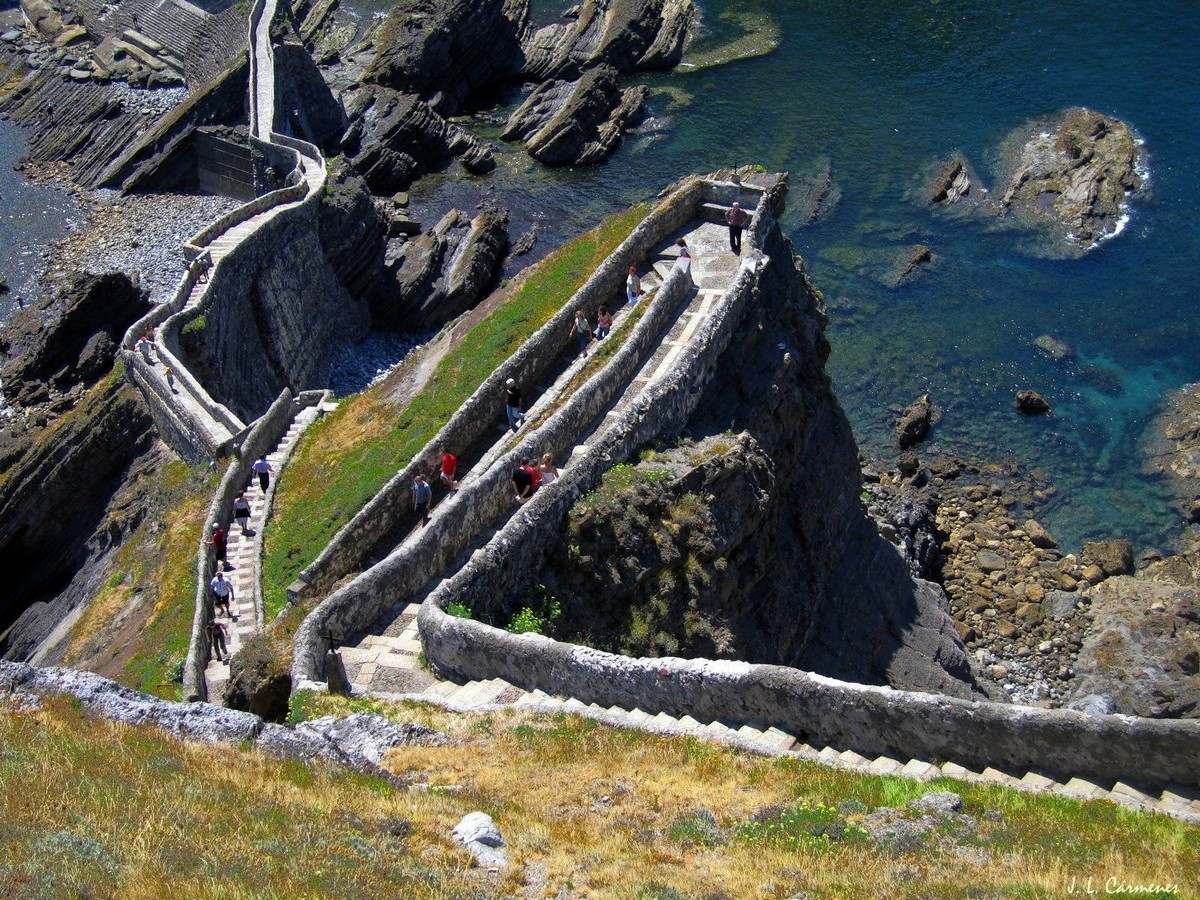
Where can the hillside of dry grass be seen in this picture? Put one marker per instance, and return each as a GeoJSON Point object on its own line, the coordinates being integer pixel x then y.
{"type": "Point", "coordinates": [88, 808]}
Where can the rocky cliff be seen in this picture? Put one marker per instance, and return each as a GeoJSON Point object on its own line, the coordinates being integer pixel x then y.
{"type": "Point", "coordinates": [755, 543]}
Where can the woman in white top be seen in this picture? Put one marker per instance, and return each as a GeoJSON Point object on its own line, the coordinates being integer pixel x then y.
{"type": "Point", "coordinates": [548, 471]}
{"type": "Point", "coordinates": [633, 286]}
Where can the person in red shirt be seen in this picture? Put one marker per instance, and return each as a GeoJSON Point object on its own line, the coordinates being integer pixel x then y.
{"type": "Point", "coordinates": [449, 467]}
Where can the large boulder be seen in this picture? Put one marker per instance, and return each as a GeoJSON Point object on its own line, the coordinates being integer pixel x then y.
{"type": "Point", "coordinates": [1143, 649]}
{"type": "Point", "coordinates": [576, 122]}
{"type": "Point", "coordinates": [444, 271]}
{"type": "Point", "coordinates": [1031, 403]}
{"type": "Point", "coordinates": [1071, 175]}
{"type": "Point", "coordinates": [70, 335]}
{"type": "Point", "coordinates": [446, 51]}
{"type": "Point", "coordinates": [1114, 557]}
{"type": "Point", "coordinates": [629, 35]}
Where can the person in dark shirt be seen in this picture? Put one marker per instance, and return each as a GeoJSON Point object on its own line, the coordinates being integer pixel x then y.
{"type": "Point", "coordinates": [736, 217]}
{"type": "Point", "coordinates": [219, 542]}
{"type": "Point", "coordinates": [514, 405]}
{"type": "Point", "coordinates": [523, 483]}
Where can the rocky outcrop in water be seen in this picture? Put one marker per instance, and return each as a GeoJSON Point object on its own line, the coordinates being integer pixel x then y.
{"type": "Point", "coordinates": [629, 35]}
{"type": "Point", "coordinates": [444, 271]}
{"type": "Point", "coordinates": [1031, 403]}
{"type": "Point", "coordinates": [446, 51]}
{"type": "Point", "coordinates": [1072, 175]}
{"type": "Point", "coordinates": [68, 337]}
{"type": "Point", "coordinates": [915, 422]}
{"type": "Point", "coordinates": [576, 122]}
{"type": "Point", "coordinates": [395, 137]}
{"type": "Point", "coordinates": [950, 184]}
{"type": "Point", "coordinates": [1174, 448]}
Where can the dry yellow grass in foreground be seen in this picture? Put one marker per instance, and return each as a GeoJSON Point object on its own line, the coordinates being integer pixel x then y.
{"type": "Point", "coordinates": [87, 808]}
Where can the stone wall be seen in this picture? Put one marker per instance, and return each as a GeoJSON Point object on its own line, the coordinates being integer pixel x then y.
{"type": "Point", "coordinates": [266, 434]}
{"type": "Point", "coordinates": [515, 552]}
{"type": "Point", "coordinates": [825, 712]}
{"type": "Point", "coordinates": [479, 413]}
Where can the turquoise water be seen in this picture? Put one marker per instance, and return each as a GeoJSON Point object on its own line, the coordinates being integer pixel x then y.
{"type": "Point", "coordinates": [878, 90]}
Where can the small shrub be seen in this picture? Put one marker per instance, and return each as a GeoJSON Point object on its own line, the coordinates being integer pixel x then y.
{"type": "Point", "coordinates": [800, 828]}
{"type": "Point", "coordinates": [458, 610]}
{"type": "Point", "coordinates": [195, 327]}
{"type": "Point", "coordinates": [698, 828]}
{"type": "Point", "coordinates": [525, 621]}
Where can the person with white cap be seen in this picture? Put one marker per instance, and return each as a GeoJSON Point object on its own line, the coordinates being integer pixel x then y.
{"type": "Point", "coordinates": [514, 405]}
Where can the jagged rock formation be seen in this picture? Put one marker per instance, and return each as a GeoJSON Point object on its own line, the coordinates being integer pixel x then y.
{"type": "Point", "coordinates": [61, 506]}
{"type": "Point", "coordinates": [576, 122]}
{"type": "Point", "coordinates": [68, 337]}
{"type": "Point", "coordinates": [395, 137]}
{"type": "Point", "coordinates": [951, 183]}
{"type": "Point", "coordinates": [1174, 448]}
{"type": "Point", "coordinates": [1072, 175]}
{"type": "Point", "coordinates": [764, 551]}
{"type": "Point", "coordinates": [447, 51]}
{"type": "Point", "coordinates": [444, 271]}
{"type": "Point", "coordinates": [353, 234]}
{"type": "Point", "coordinates": [629, 35]}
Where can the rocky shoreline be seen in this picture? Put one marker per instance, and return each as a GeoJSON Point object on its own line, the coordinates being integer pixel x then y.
{"type": "Point", "coordinates": [1094, 630]}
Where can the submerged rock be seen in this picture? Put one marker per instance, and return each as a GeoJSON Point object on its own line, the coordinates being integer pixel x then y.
{"type": "Point", "coordinates": [1053, 347]}
{"type": "Point", "coordinates": [1031, 403]}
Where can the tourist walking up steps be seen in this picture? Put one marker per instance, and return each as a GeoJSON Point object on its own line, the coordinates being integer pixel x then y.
{"type": "Point", "coordinates": [603, 323]}
{"type": "Point", "coordinates": [422, 495]}
{"type": "Point", "coordinates": [514, 405]}
{"type": "Point", "coordinates": [222, 589]}
{"type": "Point", "coordinates": [736, 217]}
{"type": "Point", "coordinates": [547, 470]}
{"type": "Point", "coordinates": [524, 482]}
{"type": "Point", "coordinates": [241, 511]}
{"type": "Point", "coordinates": [220, 544]}
{"type": "Point", "coordinates": [582, 331]}
{"type": "Point", "coordinates": [449, 467]}
{"type": "Point", "coordinates": [263, 470]}
{"type": "Point", "coordinates": [633, 287]}
{"type": "Point", "coordinates": [215, 629]}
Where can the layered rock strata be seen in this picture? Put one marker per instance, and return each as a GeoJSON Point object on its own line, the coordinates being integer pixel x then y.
{"type": "Point", "coordinates": [576, 122]}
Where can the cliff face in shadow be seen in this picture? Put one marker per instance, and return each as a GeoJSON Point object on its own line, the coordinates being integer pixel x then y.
{"type": "Point", "coordinates": [749, 539]}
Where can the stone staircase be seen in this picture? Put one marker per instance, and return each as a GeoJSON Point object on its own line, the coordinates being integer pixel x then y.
{"type": "Point", "coordinates": [245, 556]}
{"type": "Point", "coordinates": [1175, 800]}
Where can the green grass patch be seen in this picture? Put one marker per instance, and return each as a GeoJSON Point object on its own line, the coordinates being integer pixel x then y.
{"type": "Point", "coordinates": [342, 462]}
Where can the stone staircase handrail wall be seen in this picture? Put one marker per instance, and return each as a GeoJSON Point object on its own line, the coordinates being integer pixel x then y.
{"type": "Point", "coordinates": [826, 712]}
{"type": "Point", "coordinates": [484, 408]}
{"type": "Point", "coordinates": [357, 605]}
{"type": "Point", "coordinates": [266, 433]}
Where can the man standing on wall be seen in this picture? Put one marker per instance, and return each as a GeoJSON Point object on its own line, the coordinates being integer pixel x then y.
{"type": "Point", "coordinates": [736, 217]}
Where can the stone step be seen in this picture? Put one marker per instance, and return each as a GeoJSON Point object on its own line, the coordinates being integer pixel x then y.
{"type": "Point", "coordinates": [145, 58]}
{"type": "Point", "coordinates": [130, 36]}
{"type": "Point", "coordinates": [479, 693]}
{"type": "Point", "coordinates": [886, 765]}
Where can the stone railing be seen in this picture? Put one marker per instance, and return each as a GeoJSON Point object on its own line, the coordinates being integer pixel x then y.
{"type": "Point", "coordinates": [357, 605]}
{"type": "Point", "coordinates": [262, 438]}
{"type": "Point", "coordinates": [212, 429]}
{"type": "Point", "coordinates": [481, 411]}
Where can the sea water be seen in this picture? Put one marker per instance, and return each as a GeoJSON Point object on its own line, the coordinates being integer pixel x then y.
{"type": "Point", "coordinates": [876, 91]}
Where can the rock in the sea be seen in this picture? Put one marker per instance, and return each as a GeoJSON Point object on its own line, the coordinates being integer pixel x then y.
{"type": "Point", "coordinates": [1174, 449]}
{"type": "Point", "coordinates": [1073, 175]}
{"type": "Point", "coordinates": [444, 271]}
{"type": "Point", "coordinates": [951, 183]}
{"type": "Point", "coordinates": [914, 424]}
{"type": "Point", "coordinates": [446, 51]}
{"type": "Point", "coordinates": [1143, 648]}
{"type": "Point", "coordinates": [1039, 536]}
{"type": "Point", "coordinates": [1031, 403]}
{"type": "Point", "coordinates": [576, 123]}
{"type": "Point", "coordinates": [395, 138]}
{"type": "Point", "coordinates": [1053, 347]}
{"type": "Point", "coordinates": [629, 35]}
{"type": "Point", "coordinates": [1114, 557]}
{"type": "Point", "coordinates": [907, 264]}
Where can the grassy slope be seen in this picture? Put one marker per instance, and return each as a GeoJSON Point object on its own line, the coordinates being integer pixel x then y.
{"type": "Point", "coordinates": [343, 461]}
{"type": "Point", "coordinates": [586, 812]}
